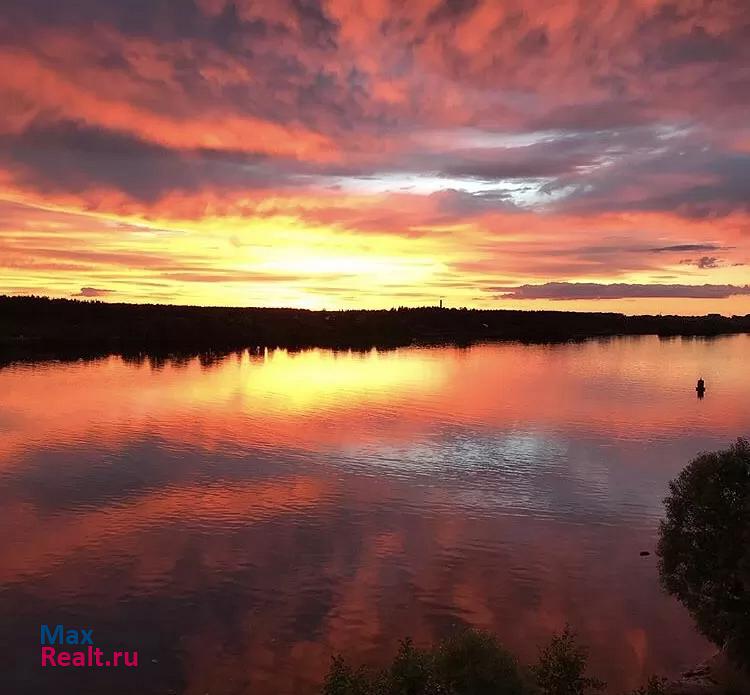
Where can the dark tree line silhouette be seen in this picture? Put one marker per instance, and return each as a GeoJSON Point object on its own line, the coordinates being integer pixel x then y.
{"type": "Point", "coordinates": [36, 325]}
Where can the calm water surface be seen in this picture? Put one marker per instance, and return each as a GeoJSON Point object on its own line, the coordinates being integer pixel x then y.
{"type": "Point", "coordinates": [239, 521]}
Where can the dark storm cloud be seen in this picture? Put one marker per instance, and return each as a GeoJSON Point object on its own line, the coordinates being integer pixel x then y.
{"type": "Point", "coordinates": [563, 153]}
{"type": "Point", "coordinates": [450, 11]}
{"type": "Point", "coordinates": [727, 193]}
{"type": "Point", "coordinates": [684, 175]}
{"type": "Point", "coordinates": [618, 112]}
{"type": "Point", "coordinates": [161, 19]}
{"type": "Point", "coordinates": [700, 43]}
{"type": "Point", "coordinates": [71, 156]}
{"type": "Point", "coordinates": [165, 20]}
{"type": "Point", "coordinates": [593, 290]}
{"type": "Point", "coordinates": [697, 47]}
{"type": "Point", "coordinates": [516, 163]}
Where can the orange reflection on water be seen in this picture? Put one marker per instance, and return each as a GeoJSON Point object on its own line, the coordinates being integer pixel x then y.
{"type": "Point", "coordinates": [620, 387]}
{"type": "Point", "coordinates": [32, 550]}
{"type": "Point", "coordinates": [339, 501]}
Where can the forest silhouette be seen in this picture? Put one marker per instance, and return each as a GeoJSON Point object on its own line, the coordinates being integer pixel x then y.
{"type": "Point", "coordinates": [37, 326]}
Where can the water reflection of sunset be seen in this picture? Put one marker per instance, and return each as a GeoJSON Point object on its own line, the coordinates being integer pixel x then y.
{"type": "Point", "coordinates": [315, 379]}
{"type": "Point", "coordinates": [254, 397]}
{"type": "Point", "coordinates": [315, 502]}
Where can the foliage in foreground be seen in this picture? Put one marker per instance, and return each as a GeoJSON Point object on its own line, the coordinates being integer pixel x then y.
{"type": "Point", "coordinates": [655, 686]}
{"type": "Point", "coordinates": [561, 669]}
{"type": "Point", "coordinates": [704, 560]}
{"type": "Point", "coordinates": [470, 663]}
{"type": "Point", "coordinates": [704, 546]}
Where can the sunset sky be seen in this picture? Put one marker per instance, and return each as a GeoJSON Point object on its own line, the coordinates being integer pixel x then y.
{"type": "Point", "coordinates": [572, 154]}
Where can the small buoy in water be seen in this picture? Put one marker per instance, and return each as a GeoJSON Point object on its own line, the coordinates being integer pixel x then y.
{"type": "Point", "coordinates": [645, 553]}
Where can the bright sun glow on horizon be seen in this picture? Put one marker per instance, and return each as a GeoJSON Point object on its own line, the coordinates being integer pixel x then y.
{"type": "Point", "coordinates": [303, 163]}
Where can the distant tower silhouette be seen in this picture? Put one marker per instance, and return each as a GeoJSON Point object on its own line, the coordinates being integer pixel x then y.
{"type": "Point", "coordinates": [441, 302]}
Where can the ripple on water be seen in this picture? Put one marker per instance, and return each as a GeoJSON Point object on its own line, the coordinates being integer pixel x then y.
{"type": "Point", "coordinates": [285, 506]}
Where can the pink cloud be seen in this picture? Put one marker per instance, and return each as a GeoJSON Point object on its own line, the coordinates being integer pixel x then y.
{"type": "Point", "coordinates": [493, 139]}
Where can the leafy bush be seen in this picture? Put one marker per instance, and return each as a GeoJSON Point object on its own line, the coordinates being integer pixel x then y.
{"type": "Point", "coordinates": [474, 663]}
{"type": "Point", "coordinates": [342, 679]}
{"type": "Point", "coordinates": [561, 669]}
{"type": "Point", "coordinates": [655, 686]}
{"type": "Point", "coordinates": [704, 546]}
{"type": "Point", "coordinates": [470, 663]}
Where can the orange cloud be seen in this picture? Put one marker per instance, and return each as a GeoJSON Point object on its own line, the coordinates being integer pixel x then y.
{"type": "Point", "coordinates": [371, 153]}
